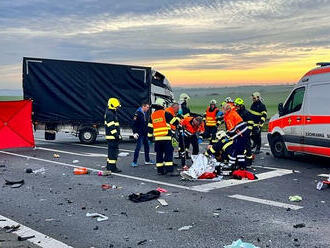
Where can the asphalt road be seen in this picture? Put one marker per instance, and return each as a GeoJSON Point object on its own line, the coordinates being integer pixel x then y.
{"type": "Point", "coordinates": [55, 202]}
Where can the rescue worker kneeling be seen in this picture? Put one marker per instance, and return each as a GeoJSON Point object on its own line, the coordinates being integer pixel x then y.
{"type": "Point", "coordinates": [160, 129]}
{"type": "Point", "coordinates": [192, 127]}
{"type": "Point", "coordinates": [237, 131]}
{"type": "Point", "coordinates": [112, 135]}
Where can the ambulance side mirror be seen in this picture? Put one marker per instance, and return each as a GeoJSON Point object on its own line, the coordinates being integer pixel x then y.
{"type": "Point", "coordinates": [280, 109]}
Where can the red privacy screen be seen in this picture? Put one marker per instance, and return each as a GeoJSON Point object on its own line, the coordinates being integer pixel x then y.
{"type": "Point", "coordinates": [16, 124]}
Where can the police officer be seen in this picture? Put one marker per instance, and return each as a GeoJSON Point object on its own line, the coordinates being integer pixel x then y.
{"type": "Point", "coordinates": [258, 108]}
{"type": "Point", "coordinates": [211, 122]}
{"type": "Point", "coordinates": [160, 129]}
{"type": "Point", "coordinates": [112, 132]}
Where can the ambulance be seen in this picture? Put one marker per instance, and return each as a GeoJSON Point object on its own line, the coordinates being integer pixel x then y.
{"type": "Point", "coordinates": [303, 121]}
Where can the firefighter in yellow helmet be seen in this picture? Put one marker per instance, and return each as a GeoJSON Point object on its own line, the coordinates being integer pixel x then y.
{"type": "Point", "coordinates": [112, 135]}
{"type": "Point", "coordinates": [160, 129]}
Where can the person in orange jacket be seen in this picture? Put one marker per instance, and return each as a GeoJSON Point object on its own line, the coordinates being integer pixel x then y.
{"type": "Point", "coordinates": [211, 122]}
{"type": "Point", "coordinates": [192, 127]}
{"type": "Point", "coordinates": [237, 131]}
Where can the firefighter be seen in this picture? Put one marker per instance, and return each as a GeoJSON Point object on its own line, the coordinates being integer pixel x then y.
{"type": "Point", "coordinates": [237, 131]}
{"type": "Point", "coordinates": [192, 127]}
{"type": "Point", "coordinates": [259, 109]}
{"type": "Point", "coordinates": [160, 129]}
{"type": "Point", "coordinates": [184, 110]}
{"type": "Point", "coordinates": [229, 101]}
{"type": "Point", "coordinates": [112, 132]}
{"type": "Point", "coordinates": [211, 122]}
{"type": "Point", "coordinates": [173, 110]}
{"type": "Point", "coordinates": [249, 119]}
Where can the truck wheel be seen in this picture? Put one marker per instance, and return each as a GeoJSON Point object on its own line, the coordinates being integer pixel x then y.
{"type": "Point", "coordinates": [50, 135]}
{"type": "Point", "coordinates": [277, 147]}
{"type": "Point", "coordinates": [87, 135]}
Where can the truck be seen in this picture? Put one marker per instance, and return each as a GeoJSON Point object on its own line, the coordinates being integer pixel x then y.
{"type": "Point", "coordinates": [71, 96]}
{"type": "Point", "coordinates": [303, 122]}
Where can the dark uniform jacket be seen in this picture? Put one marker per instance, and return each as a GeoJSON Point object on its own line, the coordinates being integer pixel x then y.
{"type": "Point", "coordinates": [111, 123]}
{"type": "Point", "coordinates": [258, 108]}
{"type": "Point", "coordinates": [185, 109]}
{"type": "Point", "coordinates": [223, 146]}
{"type": "Point", "coordinates": [140, 122]}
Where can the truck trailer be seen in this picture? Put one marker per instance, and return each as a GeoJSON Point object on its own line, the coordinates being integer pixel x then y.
{"type": "Point", "coordinates": [72, 96]}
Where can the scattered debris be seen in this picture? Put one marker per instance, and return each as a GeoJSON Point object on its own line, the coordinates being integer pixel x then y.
{"type": "Point", "coordinates": [49, 220]}
{"type": "Point", "coordinates": [20, 238]}
{"type": "Point", "coordinates": [321, 184]}
{"type": "Point", "coordinates": [80, 171]}
{"type": "Point", "coordinates": [2, 165]}
{"type": "Point", "coordinates": [161, 190]}
{"type": "Point", "coordinates": [28, 170]}
{"type": "Point", "coordinates": [162, 202]}
{"type": "Point", "coordinates": [142, 242]}
{"type": "Point", "coordinates": [14, 184]}
{"type": "Point", "coordinates": [301, 225]}
{"type": "Point", "coordinates": [106, 186]}
{"type": "Point", "coordinates": [141, 197]}
{"type": "Point", "coordinates": [10, 229]}
{"type": "Point", "coordinates": [75, 161]}
{"type": "Point", "coordinates": [55, 155]}
{"type": "Point", "coordinates": [240, 174]}
{"type": "Point", "coordinates": [41, 171]}
{"type": "Point", "coordinates": [99, 217]}
{"type": "Point", "coordinates": [295, 198]}
{"type": "Point", "coordinates": [123, 154]}
{"type": "Point", "coordinates": [184, 228]}
{"type": "Point", "coordinates": [96, 228]}
{"type": "Point", "coordinates": [240, 244]}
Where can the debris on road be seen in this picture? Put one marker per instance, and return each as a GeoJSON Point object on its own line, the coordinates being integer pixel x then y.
{"type": "Point", "coordinates": [105, 186]}
{"type": "Point", "coordinates": [141, 197]}
{"type": "Point", "coordinates": [240, 244]}
{"type": "Point", "coordinates": [321, 184]}
{"type": "Point", "coordinates": [123, 154]}
{"type": "Point", "coordinates": [162, 202]}
{"type": "Point", "coordinates": [41, 171]}
{"type": "Point", "coordinates": [161, 190]}
{"type": "Point", "coordinates": [55, 155]}
{"type": "Point", "coordinates": [241, 174]}
{"type": "Point", "coordinates": [295, 198]}
{"type": "Point", "coordinates": [75, 161]}
{"type": "Point", "coordinates": [10, 229]}
{"type": "Point", "coordinates": [99, 217]}
{"type": "Point", "coordinates": [142, 242]}
{"type": "Point", "coordinates": [14, 184]}
{"type": "Point", "coordinates": [28, 170]}
{"type": "Point", "coordinates": [80, 171]}
{"type": "Point", "coordinates": [20, 238]}
{"type": "Point", "coordinates": [184, 228]}
{"type": "Point", "coordinates": [301, 225]}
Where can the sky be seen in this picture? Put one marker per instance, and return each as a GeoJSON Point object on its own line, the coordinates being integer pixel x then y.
{"type": "Point", "coordinates": [194, 43]}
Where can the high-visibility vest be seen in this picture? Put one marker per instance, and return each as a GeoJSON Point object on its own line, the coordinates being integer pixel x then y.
{"type": "Point", "coordinates": [160, 127]}
{"type": "Point", "coordinates": [172, 112]}
{"type": "Point", "coordinates": [189, 129]}
{"type": "Point", "coordinates": [211, 117]}
{"type": "Point", "coordinates": [232, 119]}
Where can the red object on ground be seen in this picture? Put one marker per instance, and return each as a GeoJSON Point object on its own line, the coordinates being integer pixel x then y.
{"type": "Point", "coordinates": [80, 171]}
{"type": "Point", "coordinates": [161, 190]}
{"type": "Point", "coordinates": [240, 174]}
{"type": "Point", "coordinates": [207, 175]}
{"type": "Point", "coordinates": [16, 124]}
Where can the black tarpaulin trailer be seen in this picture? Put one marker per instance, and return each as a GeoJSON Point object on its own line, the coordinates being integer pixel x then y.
{"type": "Point", "coordinates": [72, 95]}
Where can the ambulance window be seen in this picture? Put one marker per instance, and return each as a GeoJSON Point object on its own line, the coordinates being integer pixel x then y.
{"type": "Point", "coordinates": [295, 101]}
{"type": "Point", "coordinates": [319, 94]}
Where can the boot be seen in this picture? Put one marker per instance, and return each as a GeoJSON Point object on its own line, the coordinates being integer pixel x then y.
{"type": "Point", "coordinates": [161, 171]}
{"type": "Point", "coordinates": [114, 169]}
{"type": "Point", "coordinates": [257, 150]}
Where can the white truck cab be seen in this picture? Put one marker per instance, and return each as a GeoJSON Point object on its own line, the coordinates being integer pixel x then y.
{"type": "Point", "coordinates": [303, 122]}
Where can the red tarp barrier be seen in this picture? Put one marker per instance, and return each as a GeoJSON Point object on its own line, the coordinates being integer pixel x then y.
{"type": "Point", "coordinates": [16, 124]}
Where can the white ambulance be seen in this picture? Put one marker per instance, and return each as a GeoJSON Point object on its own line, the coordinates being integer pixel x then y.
{"type": "Point", "coordinates": [303, 122]}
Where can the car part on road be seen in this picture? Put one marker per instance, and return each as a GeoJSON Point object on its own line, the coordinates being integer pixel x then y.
{"type": "Point", "coordinates": [141, 197]}
{"type": "Point", "coordinates": [295, 198]}
{"type": "Point", "coordinates": [87, 135]}
{"type": "Point", "coordinates": [99, 217]}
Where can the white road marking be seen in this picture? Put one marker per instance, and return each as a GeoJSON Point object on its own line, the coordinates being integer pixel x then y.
{"type": "Point", "coordinates": [40, 239]}
{"type": "Point", "coordinates": [266, 202]}
{"type": "Point", "coordinates": [96, 170]}
{"type": "Point", "coordinates": [324, 175]}
{"type": "Point", "coordinates": [73, 153]}
{"type": "Point", "coordinates": [232, 182]}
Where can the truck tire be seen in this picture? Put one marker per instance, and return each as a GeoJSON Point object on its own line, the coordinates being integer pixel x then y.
{"type": "Point", "coordinates": [50, 135]}
{"type": "Point", "coordinates": [278, 148]}
{"type": "Point", "coordinates": [87, 135]}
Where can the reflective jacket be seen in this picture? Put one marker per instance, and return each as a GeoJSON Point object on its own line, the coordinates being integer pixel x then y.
{"type": "Point", "coordinates": [211, 117]}
{"type": "Point", "coordinates": [189, 129]}
{"type": "Point", "coordinates": [223, 145]}
{"type": "Point", "coordinates": [175, 120]}
{"type": "Point", "coordinates": [235, 125]}
{"type": "Point", "coordinates": [111, 123]}
{"type": "Point", "coordinates": [259, 109]}
{"type": "Point", "coordinates": [247, 117]}
{"type": "Point", "coordinates": [159, 125]}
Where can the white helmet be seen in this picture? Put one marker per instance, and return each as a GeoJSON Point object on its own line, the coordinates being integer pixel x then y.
{"type": "Point", "coordinates": [184, 97]}
{"type": "Point", "coordinates": [221, 134]}
{"type": "Point", "coordinates": [228, 99]}
{"type": "Point", "coordinates": [213, 101]}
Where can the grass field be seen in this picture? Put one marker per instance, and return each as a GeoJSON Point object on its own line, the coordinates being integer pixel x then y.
{"type": "Point", "coordinates": [10, 98]}
{"type": "Point", "coordinates": [200, 97]}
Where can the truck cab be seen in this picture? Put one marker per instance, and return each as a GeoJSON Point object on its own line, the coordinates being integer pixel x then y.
{"type": "Point", "coordinates": [303, 121]}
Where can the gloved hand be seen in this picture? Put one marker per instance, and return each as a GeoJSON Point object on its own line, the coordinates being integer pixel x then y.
{"type": "Point", "coordinates": [136, 136]}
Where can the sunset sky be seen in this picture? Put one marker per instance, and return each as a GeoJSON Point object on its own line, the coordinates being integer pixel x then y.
{"type": "Point", "coordinates": [196, 42]}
